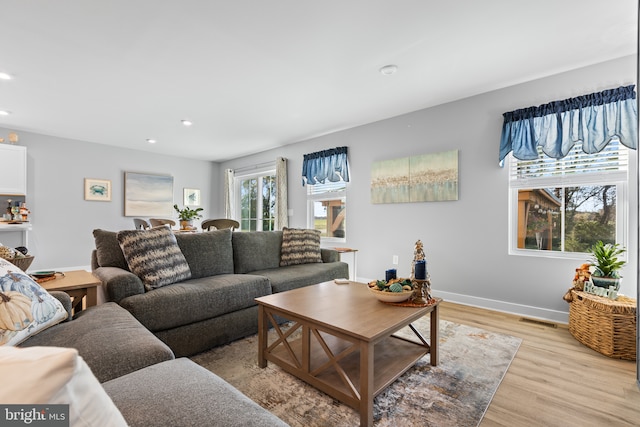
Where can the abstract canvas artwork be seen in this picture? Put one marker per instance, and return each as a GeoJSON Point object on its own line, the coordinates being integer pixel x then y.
{"type": "Point", "coordinates": [423, 178]}
{"type": "Point", "coordinates": [148, 195]}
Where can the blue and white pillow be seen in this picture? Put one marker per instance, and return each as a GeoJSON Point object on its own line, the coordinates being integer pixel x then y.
{"type": "Point", "coordinates": [26, 308]}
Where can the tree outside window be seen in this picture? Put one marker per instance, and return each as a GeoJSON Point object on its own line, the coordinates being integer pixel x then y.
{"type": "Point", "coordinates": [566, 219]}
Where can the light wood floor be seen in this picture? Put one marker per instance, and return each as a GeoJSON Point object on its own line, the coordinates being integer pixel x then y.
{"type": "Point", "coordinates": [554, 380]}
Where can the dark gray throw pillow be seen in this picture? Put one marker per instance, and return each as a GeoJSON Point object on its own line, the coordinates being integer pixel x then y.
{"type": "Point", "coordinates": [300, 246]}
{"type": "Point", "coordinates": [108, 249]}
{"type": "Point", "coordinates": [154, 256]}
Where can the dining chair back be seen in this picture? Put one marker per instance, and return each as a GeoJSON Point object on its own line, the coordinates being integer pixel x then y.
{"type": "Point", "coordinates": [219, 224]}
{"type": "Point", "coordinates": [156, 222]}
{"type": "Point", "coordinates": [141, 224]}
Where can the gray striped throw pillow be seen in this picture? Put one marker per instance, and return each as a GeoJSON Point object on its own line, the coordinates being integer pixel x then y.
{"type": "Point", "coordinates": [154, 256]}
{"type": "Point", "coordinates": [299, 246]}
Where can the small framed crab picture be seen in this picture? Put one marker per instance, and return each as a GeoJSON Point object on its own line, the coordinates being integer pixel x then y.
{"type": "Point", "coordinates": [97, 189]}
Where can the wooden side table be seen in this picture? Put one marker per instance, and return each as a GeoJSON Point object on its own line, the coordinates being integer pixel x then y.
{"type": "Point", "coordinates": [353, 265]}
{"type": "Point", "coordinates": [80, 285]}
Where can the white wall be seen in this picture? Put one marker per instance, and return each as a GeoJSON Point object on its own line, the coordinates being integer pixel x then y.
{"type": "Point", "coordinates": [466, 241]}
{"type": "Point", "coordinates": [63, 221]}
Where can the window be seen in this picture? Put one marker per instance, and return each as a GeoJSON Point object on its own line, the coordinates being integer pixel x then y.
{"type": "Point", "coordinates": [327, 210]}
{"type": "Point", "coordinates": [563, 206]}
{"type": "Point", "coordinates": [257, 201]}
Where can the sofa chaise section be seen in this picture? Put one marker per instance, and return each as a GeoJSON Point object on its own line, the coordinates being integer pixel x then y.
{"type": "Point", "coordinates": [137, 374]}
{"type": "Point", "coordinates": [195, 397]}
{"type": "Point", "coordinates": [110, 340]}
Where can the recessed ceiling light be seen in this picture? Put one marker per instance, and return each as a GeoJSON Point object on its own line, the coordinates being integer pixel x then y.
{"type": "Point", "coordinates": [4, 113]}
{"type": "Point", "coordinates": [151, 141]}
{"type": "Point", "coordinates": [5, 76]}
{"type": "Point", "coordinates": [387, 70]}
{"type": "Point", "coordinates": [187, 122]}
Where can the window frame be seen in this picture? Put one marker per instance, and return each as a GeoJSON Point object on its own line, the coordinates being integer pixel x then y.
{"type": "Point", "coordinates": [619, 178]}
{"type": "Point", "coordinates": [258, 174]}
{"type": "Point", "coordinates": [328, 195]}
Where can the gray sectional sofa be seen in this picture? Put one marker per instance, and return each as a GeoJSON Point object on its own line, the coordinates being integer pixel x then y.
{"type": "Point", "coordinates": [139, 373]}
{"type": "Point", "coordinates": [217, 304]}
{"type": "Point", "coordinates": [131, 342]}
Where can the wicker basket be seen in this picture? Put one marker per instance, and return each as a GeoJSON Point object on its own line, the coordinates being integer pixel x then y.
{"type": "Point", "coordinates": [22, 263]}
{"type": "Point", "coordinates": [605, 325]}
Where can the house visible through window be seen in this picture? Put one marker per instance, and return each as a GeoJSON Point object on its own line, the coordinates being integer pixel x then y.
{"type": "Point", "coordinates": [327, 210]}
{"type": "Point", "coordinates": [566, 205]}
{"type": "Point", "coordinates": [256, 201]}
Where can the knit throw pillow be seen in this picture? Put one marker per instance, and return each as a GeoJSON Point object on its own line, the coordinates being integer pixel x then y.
{"type": "Point", "coordinates": [299, 246]}
{"type": "Point", "coordinates": [154, 256]}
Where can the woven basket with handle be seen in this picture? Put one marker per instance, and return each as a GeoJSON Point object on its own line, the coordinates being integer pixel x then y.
{"type": "Point", "coordinates": [607, 326]}
{"type": "Point", "coordinates": [22, 263]}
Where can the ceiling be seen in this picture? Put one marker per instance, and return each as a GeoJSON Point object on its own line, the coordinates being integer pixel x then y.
{"type": "Point", "coordinates": [254, 75]}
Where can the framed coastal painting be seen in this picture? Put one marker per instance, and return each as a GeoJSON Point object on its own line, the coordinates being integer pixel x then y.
{"type": "Point", "coordinates": [191, 197]}
{"type": "Point", "coordinates": [148, 195]}
{"type": "Point", "coordinates": [97, 189]}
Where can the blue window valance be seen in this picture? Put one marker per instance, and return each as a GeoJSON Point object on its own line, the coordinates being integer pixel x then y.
{"type": "Point", "coordinates": [327, 165]}
{"type": "Point", "coordinates": [594, 120]}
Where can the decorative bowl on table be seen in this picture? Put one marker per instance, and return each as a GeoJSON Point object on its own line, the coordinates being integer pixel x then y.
{"type": "Point", "coordinates": [391, 296]}
{"type": "Point", "coordinates": [385, 291]}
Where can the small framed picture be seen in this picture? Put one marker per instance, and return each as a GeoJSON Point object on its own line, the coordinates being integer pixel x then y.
{"type": "Point", "coordinates": [191, 197]}
{"type": "Point", "coordinates": [97, 189]}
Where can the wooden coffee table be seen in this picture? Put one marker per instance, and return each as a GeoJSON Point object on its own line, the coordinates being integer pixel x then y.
{"type": "Point", "coordinates": [345, 345]}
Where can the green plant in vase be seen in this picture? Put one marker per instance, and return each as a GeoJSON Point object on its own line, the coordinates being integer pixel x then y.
{"type": "Point", "coordinates": [606, 258]}
{"type": "Point", "coordinates": [186, 216]}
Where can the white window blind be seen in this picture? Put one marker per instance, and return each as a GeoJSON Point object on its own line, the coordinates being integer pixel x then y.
{"type": "Point", "coordinates": [577, 167]}
{"type": "Point", "coordinates": [327, 187]}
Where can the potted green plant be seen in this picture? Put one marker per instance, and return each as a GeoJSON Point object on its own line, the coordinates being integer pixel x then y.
{"type": "Point", "coordinates": [186, 216]}
{"type": "Point", "coordinates": [606, 260]}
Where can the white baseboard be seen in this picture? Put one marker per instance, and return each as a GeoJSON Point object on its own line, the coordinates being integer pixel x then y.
{"type": "Point", "coordinates": [502, 306]}
{"type": "Point", "coordinates": [63, 269]}
{"type": "Point", "coordinates": [506, 307]}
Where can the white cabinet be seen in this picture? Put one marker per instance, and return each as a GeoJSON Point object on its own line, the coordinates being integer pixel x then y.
{"type": "Point", "coordinates": [13, 169]}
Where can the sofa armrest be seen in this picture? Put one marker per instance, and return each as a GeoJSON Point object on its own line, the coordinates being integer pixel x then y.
{"type": "Point", "coordinates": [329, 255]}
{"type": "Point", "coordinates": [65, 299]}
{"type": "Point", "coordinates": [118, 283]}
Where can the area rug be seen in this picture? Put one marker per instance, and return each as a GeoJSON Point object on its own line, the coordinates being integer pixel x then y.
{"type": "Point", "coordinates": [457, 392]}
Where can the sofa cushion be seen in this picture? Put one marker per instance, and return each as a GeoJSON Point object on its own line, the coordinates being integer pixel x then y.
{"type": "Point", "coordinates": [296, 276]}
{"type": "Point", "coordinates": [195, 300]}
{"type": "Point", "coordinates": [26, 308]}
{"type": "Point", "coordinates": [108, 251]}
{"type": "Point", "coordinates": [154, 256]}
{"type": "Point", "coordinates": [256, 250]}
{"type": "Point", "coordinates": [57, 376]}
{"type": "Point", "coordinates": [209, 253]}
{"type": "Point", "coordinates": [109, 339]}
{"type": "Point", "coordinates": [300, 246]}
{"type": "Point", "coordinates": [180, 393]}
